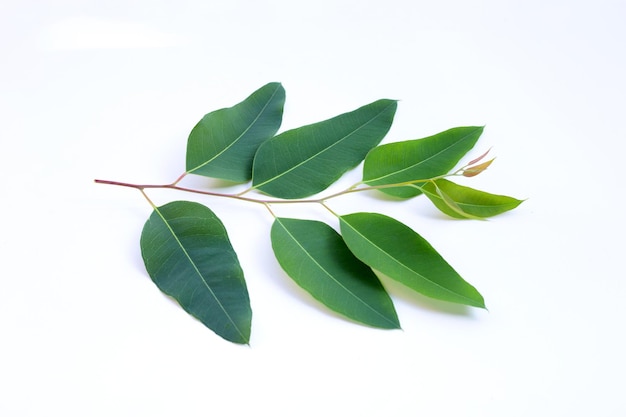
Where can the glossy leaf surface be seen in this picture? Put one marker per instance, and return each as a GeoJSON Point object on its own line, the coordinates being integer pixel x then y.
{"type": "Point", "coordinates": [316, 258]}
{"type": "Point", "coordinates": [394, 249]}
{"type": "Point", "coordinates": [417, 159]}
{"type": "Point", "coordinates": [188, 255]}
{"type": "Point", "coordinates": [464, 202]}
{"type": "Point", "coordinates": [223, 144]}
{"type": "Point", "coordinates": [305, 161]}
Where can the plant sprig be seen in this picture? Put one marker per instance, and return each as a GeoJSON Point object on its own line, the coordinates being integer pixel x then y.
{"type": "Point", "coordinates": [240, 196]}
{"type": "Point", "coordinates": [187, 252]}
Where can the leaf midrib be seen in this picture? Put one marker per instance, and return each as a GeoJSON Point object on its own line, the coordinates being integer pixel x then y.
{"type": "Point", "coordinates": [323, 150]}
{"type": "Point", "coordinates": [331, 277]}
{"type": "Point", "coordinates": [483, 206]}
{"type": "Point", "coordinates": [193, 264]}
{"type": "Point", "coordinates": [422, 161]}
{"type": "Point", "coordinates": [403, 265]}
{"type": "Point", "coordinates": [242, 133]}
{"type": "Point", "coordinates": [465, 204]}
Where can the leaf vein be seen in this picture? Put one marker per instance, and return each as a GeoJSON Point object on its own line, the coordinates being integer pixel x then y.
{"type": "Point", "coordinates": [325, 149]}
{"type": "Point", "coordinates": [331, 276]}
{"type": "Point", "coordinates": [195, 267]}
{"type": "Point", "coordinates": [242, 133]}
{"type": "Point", "coordinates": [396, 261]}
{"type": "Point", "coordinates": [422, 161]}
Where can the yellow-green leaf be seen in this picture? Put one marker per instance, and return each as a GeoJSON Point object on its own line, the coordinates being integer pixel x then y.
{"type": "Point", "coordinates": [418, 159]}
{"type": "Point", "coordinates": [464, 202]}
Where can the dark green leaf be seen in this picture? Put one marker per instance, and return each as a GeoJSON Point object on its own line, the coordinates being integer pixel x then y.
{"type": "Point", "coordinates": [188, 256]}
{"type": "Point", "coordinates": [464, 202]}
{"type": "Point", "coordinates": [223, 144]}
{"type": "Point", "coordinates": [418, 159]}
{"type": "Point", "coordinates": [394, 249]}
{"type": "Point", "coordinates": [304, 161]}
{"type": "Point", "coordinates": [316, 258]}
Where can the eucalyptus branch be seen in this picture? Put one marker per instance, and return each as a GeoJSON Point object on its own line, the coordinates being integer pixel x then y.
{"type": "Point", "coordinates": [239, 196]}
{"type": "Point", "coordinates": [187, 252]}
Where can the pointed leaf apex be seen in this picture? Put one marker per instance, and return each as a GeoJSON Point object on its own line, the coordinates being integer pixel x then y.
{"type": "Point", "coordinates": [473, 161]}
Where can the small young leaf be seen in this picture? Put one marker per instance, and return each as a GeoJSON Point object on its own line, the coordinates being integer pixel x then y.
{"type": "Point", "coordinates": [188, 255]}
{"type": "Point", "coordinates": [417, 159]}
{"type": "Point", "coordinates": [394, 249]}
{"type": "Point", "coordinates": [223, 144]}
{"type": "Point", "coordinates": [304, 161]}
{"type": "Point", "coordinates": [480, 158]}
{"type": "Point", "coordinates": [472, 171]}
{"type": "Point", "coordinates": [316, 258]}
{"type": "Point", "coordinates": [468, 202]}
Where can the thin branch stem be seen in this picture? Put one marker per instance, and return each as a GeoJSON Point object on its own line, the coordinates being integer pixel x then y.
{"type": "Point", "coordinates": [247, 190]}
{"type": "Point", "coordinates": [240, 196]}
{"type": "Point", "coordinates": [179, 179]}
{"type": "Point", "coordinates": [147, 198]}
{"type": "Point", "coordinates": [267, 206]}
{"type": "Point", "coordinates": [329, 209]}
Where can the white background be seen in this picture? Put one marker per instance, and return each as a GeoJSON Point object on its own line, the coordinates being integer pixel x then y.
{"type": "Point", "coordinates": [111, 90]}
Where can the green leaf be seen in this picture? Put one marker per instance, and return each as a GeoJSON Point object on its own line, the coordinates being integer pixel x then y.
{"type": "Point", "coordinates": [316, 258]}
{"type": "Point", "coordinates": [394, 249]}
{"type": "Point", "coordinates": [223, 144]}
{"type": "Point", "coordinates": [451, 205]}
{"type": "Point", "coordinates": [304, 161]}
{"type": "Point", "coordinates": [465, 202]}
{"type": "Point", "coordinates": [188, 255]}
{"type": "Point", "coordinates": [418, 159]}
